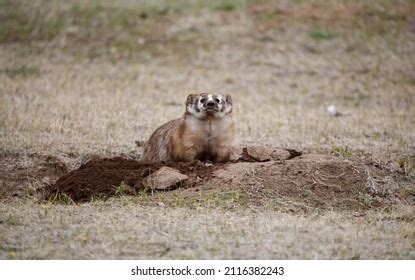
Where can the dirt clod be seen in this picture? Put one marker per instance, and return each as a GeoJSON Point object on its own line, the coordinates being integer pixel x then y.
{"type": "Point", "coordinates": [264, 153]}
{"type": "Point", "coordinates": [165, 178]}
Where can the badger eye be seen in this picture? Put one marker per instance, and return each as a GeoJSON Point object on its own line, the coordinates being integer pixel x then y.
{"type": "Point", "coordinates": [217, 100]}
{"type": "Point", "coordinates": [203, 100]}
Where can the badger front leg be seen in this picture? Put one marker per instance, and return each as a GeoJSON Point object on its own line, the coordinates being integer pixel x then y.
{"type": "Point", "coordinates": [221, 154]}
{"type": "Point", "coordinates": [187, 151]}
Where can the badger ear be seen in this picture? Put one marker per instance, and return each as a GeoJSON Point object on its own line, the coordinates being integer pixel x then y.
{"type": "Point", "coordinates": [190, 103]}
{"type": "Point", "coordinates": [228, 99]}
{"type": "Point", "coordinates": [191, 98]}
{"type": "Point", "coordinates": [229, 105]}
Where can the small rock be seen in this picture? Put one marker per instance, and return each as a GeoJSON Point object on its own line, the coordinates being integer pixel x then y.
{"type": "Point", "coordinates": [261, 153]}
{"type": "Point", "coordinates": [165, 178]}
{"type": "Point", "coordinates": [208, 164]}
{"type": "Point", "coordinates": [332, 110]}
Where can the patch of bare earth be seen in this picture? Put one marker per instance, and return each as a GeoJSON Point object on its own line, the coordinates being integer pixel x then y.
{"type": "Point", "coordinates": [264, 177]}
{"type": "Point", "coordinates": [24, 174]}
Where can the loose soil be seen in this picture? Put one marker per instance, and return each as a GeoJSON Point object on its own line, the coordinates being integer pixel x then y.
{"type": "Point", "coordinates": [102, 178]}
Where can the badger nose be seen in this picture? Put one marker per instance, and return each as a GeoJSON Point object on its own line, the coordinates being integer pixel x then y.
{"type": "Point", "coordinates": [210, 104]}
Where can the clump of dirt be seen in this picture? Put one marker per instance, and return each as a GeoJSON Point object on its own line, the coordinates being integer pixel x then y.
{"type": "Point", "coordinates": [264, 153]}
{"type": "Point", "coordinates": [102, 177]}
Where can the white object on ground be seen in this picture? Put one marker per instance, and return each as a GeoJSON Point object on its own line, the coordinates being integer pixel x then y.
{"type": "Point", "coordinates": [332, 110]}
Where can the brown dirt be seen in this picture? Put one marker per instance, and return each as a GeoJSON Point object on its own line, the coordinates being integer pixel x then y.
{"type": "Point", "coordinates": [310, 180]}
{"type": "Point", "coordinates": [101, 177]}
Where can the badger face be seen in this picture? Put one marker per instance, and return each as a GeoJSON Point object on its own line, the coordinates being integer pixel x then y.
{"type": "Point", "coordinates": [205, 104]}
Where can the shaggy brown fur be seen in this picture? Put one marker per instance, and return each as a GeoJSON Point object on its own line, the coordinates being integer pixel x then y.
{"type": "Point", "coordinates": [205, 132]}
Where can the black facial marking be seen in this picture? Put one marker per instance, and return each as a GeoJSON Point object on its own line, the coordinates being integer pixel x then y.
{"type": "Point", "coordinates": [229, 99]}
{"type": "Point", "coordinates": [190, 99]}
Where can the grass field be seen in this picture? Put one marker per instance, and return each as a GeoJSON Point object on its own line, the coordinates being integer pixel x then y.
{"type": "Point", "coordinates": [84, 78]}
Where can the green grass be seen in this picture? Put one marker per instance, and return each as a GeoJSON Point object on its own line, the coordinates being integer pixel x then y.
{"type": "Point", "coordinates": [408, 165]}
{"type": "Point", "coordinates": [22, 23]}
{"type": "Point", "coordinates": [322, 35]}
{"type": "Point", "coordinates": [27, 21]}
{"type": "Point", "coordinates": [366, 199]}
{"type": "Point", "coordinates": [101, 30]}
{"type": "Point", "coordinates": [61, 198]}
{"type": "Point", "coordinates": [121, 189]}
{"type": "Point", "coordinates": [21, 71]}
{"type": "Point", "coordinates": [228, 199]}
{"type": "Point", "coordinates": [227, 5]}
{"type": "Point", "coordinates": [343, 151]}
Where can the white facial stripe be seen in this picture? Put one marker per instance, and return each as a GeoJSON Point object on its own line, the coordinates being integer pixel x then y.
{"type": "Point", "coordinates": [198, 110]}
{"type": "Point", "coordinates": [199, 104]}
{"type": "Point", "coordinates": [228, 108]}
{"type": "Point", "coordinates": [190, 108]}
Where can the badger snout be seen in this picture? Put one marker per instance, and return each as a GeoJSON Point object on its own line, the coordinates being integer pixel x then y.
{"type": "Point", "coordinates": [210, 104]}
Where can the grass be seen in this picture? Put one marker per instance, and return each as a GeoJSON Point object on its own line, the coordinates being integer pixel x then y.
{"type": "Point", "coordinates": [215, 200]}
{"type": "Point", "coordinates": [407, 164]}
{"type": "Point", "coordinates": [114, 230]}
{"type": "Point", "coordinates": [92, 77]}
{"type": "Point", "coordinates": [21, 71]}
{"type": "Point", "coordinates": [320, 35]}
{"type": "Point", "coordinates": [343, 151]}
{"type": "Point", "coordinates": [229, 5]}
{"type": "Point", "coordinates": [62, 198]}
{"type": "Point", "coordinates": [121, 189]}
{"type": "Point", "coordinates": [23, 21]}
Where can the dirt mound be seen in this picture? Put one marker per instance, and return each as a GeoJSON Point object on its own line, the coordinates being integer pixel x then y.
{"type": "Point", "coordinates": [283, 178]}
{"type": "Point", "coordinates": [109, 176]}
{"type": "Point", "coordinates": [310, 180]}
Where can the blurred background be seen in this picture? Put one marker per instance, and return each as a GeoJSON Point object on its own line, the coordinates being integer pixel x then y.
{"type": "Point", "coordinates": [95, 76]}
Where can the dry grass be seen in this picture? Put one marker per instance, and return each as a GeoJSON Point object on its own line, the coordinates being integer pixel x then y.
{"type": "Point", "coordinates": [283, 78]}
{"type": "Point", "coordinates": [119, 229]}
{"type": "Point", "coordinates": [75, 78]}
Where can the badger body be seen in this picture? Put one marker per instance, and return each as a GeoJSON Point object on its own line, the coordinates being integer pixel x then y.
{"type": "Point", "coordinates": [205, 132]}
